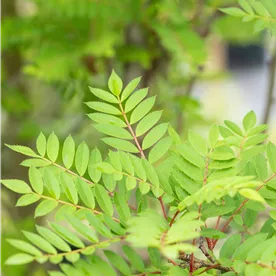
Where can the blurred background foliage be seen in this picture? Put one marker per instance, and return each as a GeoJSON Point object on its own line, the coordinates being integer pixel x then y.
{"type": "Point", "coordinates": [53, 50]}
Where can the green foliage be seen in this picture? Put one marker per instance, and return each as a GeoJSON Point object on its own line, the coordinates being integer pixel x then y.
{"type": "Point", "coordinates": [263, 13]}
{"type": "Point", "coordinates": [230, 175]}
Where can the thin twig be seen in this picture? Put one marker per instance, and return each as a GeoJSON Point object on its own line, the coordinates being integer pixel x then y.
{"type": "Point", "coordinates": [271, 86]}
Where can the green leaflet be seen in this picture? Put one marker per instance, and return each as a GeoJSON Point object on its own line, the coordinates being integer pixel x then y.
{"type": "Point", "coordinates": [52, 147]}
{"type": "Point", "coordinates": [191, 155]}
{"type": "Point", "coordinates": [254, 140]}
{"type": "Point", "coordinates": [109, 181]}
{"type": "Point", "coordinates": [212, 233]}
{"type": "Point", "coordinates": [95, 158]}
{"type": "Point", "coordinates": [45, 207]}
{"type": "Point", "coordinates": [230, 246]}
{"type": "Point", "coordinates": [106, 96]}
{"type": "Point", "coordinates": [261, 167]}
{"type": "Point", "coordinates": [36, 180]}
{"type": "Point", "coordinates": [115, 160]}
{"type": "Point", "coordinates": [154, 135]}
{"type": "Point", "coordinates": [68, 152]}
{"type": "Point", "coordinates": [114, 131]}
{"type": "Point", "coordinates": [138, 167]}
{"type": "Point", "coordinates": [130, 183]}
{"type": "Point", "coordinates": [148, 122]}
{"type": "Point", "coordinates": [53, 238]}
{"type": "Point", "coordinates": [257, 129]}
{"type": "Point", "coordinates": [69, 188]}
{"type": "Point", "coordinates": [17, 186]}
{"type": "Point", "coordinates": [144, 187]}
{"type": "Point", "coordinates": [135, 99]}
{"type": "Point", "coordinates": [40, 242]}
{"type": "Point", "coordinates": [24, 246]}
{"type": "Point", "coordinates": [122, 207]}
{"type": "Point", "coordinates": [63, 211]}
{"type": "Point", "coordinates": [118, 262]}
{"type": "Point", "coordinates": [85, 193]}
{"type": "Point", "coordinates": [244, 4]}
{"type": "Point", "coordinates": [67, 235]}
{"type": "Point", "coordinates": [271, 155]}
{"type": "Point", "coordinates": [104, 107]}
{"type": "Point", "coordinates": [19, 259]}
{"type": "Point", "coordinates": [234, 127]}
{"type": "Point", "coordinates": [52, 183]}
{"type": "Point", "coordinates": [98, 225]}
{"type": "Point", "coordinates": [142, 109]}
{"type": "Point", "coordinates": [222, 153]}
{"type": "Point", "coordinates": [81, 228]}
{"type": "Point", "coordinates": [160, 149]}
{"type": "Point", "coordinates": [103, 199]}
{"type": "Point", "coordinates": [121, 144]}
{"type": "Point", "coordinates": [41, 144]}
{"type": "Point", "coordinates": [198, 143]}
{"type": "Point", "coordinates": [213, 135]}
{"type": "Point", "coordinates": [130, 88]}
{"type": "Point", "coordinates": [134, 258]}
{"type": "Point", "coordinates": [82, 158]}
{"type": "Point", "coordinates": [35, 162]}
{"type": "Point", "coordinates": [126, 162]}
{"type": "Point", "coordinates": [107, 119]}
{"type": "Point", "coordinates": [236, 12]}
{"type": "Point", "coordinates": [251, 194]}
{"type": "Point", "coordinates": [27, 199]}
{"type": "Point", "coordinates": [23, 150]}
{"type": "Point", "coordinates": [115, 84]}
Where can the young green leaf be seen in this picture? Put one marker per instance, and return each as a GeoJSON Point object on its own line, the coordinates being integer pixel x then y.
{"type": "Point", "coordinates": [261, 167]}
{"type": "Point", "coordinates": [230, 246]}
{"type": "Point", "coordinates": [85, 193]}
{"type": "Point", "coordinates": [142, 109]}
{"type": "Point", "coordinates": [236, 12]}
{"type": "Point", "coordinates": [122, 207]}
{"type": "Point", "coordinates": [118, 262]}
{"type": "Point", "coordinates": [144, 187]}
{"type": "Point", "coordinates": [63, 211]}
{"type": "Point", "coordinates": [69, 188]}
{"type": "Point", "coordinates": [251, 194]}
{"type": "Point", "coordinates": [160, 149]}
{"type": "Point", "coordinates": [130, 88]}
{"type": "Point", "coordinates": [247, 7]}
{"type": "Point", "coordinates": [249, 120]}
{"type": "Point", "coordinates": [52, 183]}
{"type": "Point", "coordinates": [25, 247]}
{"type": "Point", "coordinates": [126, 162]}
{"type": "Point", "coordinates": [115, 84]}
{"type": "Point", "coordinates": [83, 229]}
{"type": "Point", "coordinates": [40, 242]}
{"type": "Point", "coordinates": [148, 122]}
{"type": "Point", "coordinates": [234, 127]}
{"type": "Point", "coordinates": [198, 143]}
{"type": "Point", "coordinates": [19, 259]}
{"type": "Point", "coordinates": [107, 119]}
{"type": "Point", "coordinates": [103, 199]}
{"type": "Point", "coordinates": [41, 144]}
{"type": "Point", "coordinates": [17, 186]}
{"type": "Point", "coordinates": [154, 135]}
{"type": "Point", "coordinates": [82, 158]}
{"type": "Point", "coordinates": [52, 147]}
{"type": "Point", "coordinates": [120, 144]}
{"type": "Point", "coordinates": [114, 131]}
{"type": "Point", "coordinates": [68, 152]}
{"type": "Point", "coordinates": [36, 180]}
{"type": "Point", "coordinates": [98, 225]}
{"type": "Point", "coordinates": [138, 167]}
{"type": "Point", "coordinates": [104, 107]}
{"type": "Point", "coordinates": [67, 235]}
{"type": "Point", "coordinates": [35, 162]}
{"type": "Point", "coordinates": [213, 135]}
{"type": "Point", "coordinates": [135, 99]}
{"type": "Point", "coordinates": [103, 95]}
{"type": "Point", "coordinates": [134, 258]}
{"type": "Point", "coordinates": [95, 158]}
{"type": "Point", "coordinates": [53, 238]}
{"type": "Point", "coordinates": [23, 150]}
{"type": "Point", "coordinates": [45, 207]}
{"type": "Point", "coordinates": [27, 199]}
{"type": "Point", "coordinates": [271, 155]}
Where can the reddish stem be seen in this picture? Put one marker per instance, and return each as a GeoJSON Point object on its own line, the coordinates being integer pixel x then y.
{"type": "Point", "coordinates": [174, 217]}
{"type": "Point", "coordinates": [163, 207]}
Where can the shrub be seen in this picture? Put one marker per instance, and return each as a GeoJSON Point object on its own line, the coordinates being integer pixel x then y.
{"type": "Point", "coordinates": [152, 191]}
